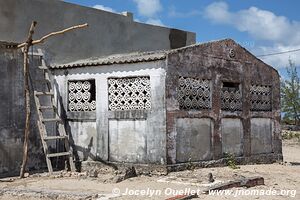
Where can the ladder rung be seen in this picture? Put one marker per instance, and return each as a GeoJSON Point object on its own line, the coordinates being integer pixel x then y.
{"type": "Point", "coordinates": [43, 93]}
{"type": "Point", "coordinates": [46, 107]}
{"type": "Point", "coordinates": [42, 67]}
{"type": "Point", "coordinates": [43, 80]}
{"type": "Point", "coordinates": [51, 120]}
{"type": "Point", "coordinates": [58, 154]}
{"type": "Point", "coordinates": [55, 137]}
{"type": "Point", "coordinates": [35, 53]}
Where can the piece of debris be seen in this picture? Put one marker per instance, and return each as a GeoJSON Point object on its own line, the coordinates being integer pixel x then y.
{"type": "Point", "coordinates": [48, 194]}
{"type": "Point", "coordinates": [244, 182]}
{"type": "Point", "coordinates": [93, 174]}
{"type": "Point", "coordinates": [123, 174]}
{"type": "Point", "coordinates": [100, 168]}
{"type": "Point", "coordinates": [295, 163]}
{"type": "Point", "coordinates": [253, 181]}
{"type": "Point", "coordinates": [7, 180]}
{"type": "Point", "coordinates": [210, 178]}
{"type": "Point", "coordinates": [183, 197]}
{"type": "Point", "coordinates": [26, 175]}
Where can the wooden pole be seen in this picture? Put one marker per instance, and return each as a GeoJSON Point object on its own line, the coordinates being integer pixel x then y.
{"type": "Point", "coordinates": [53, 34]}
{"type": "Point", "coordinates": [27, 98]}
{"type": "Point", "coordinates": [26, 45]}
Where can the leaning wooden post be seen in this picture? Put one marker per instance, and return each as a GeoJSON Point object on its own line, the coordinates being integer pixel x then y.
{"type": "Point", "coordinates": [27, 98]}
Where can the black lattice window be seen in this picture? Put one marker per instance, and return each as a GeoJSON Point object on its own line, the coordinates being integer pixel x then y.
{"type": "Point", "coordinates": [82, 95]}
{"type": "Point", "coordinates": [130, 93]}
{"type": "Point", "coordinates": [261, 96]}
{"type": "Point", "coordinates": [194, 93]}
{"type": "Point", "coordinates": [231, 97]}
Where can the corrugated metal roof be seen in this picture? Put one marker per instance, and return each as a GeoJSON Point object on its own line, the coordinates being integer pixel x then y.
{"type": "Point", "coordinates": [8, 45]}
{"type": "Point", "coordinates": [115, 59]}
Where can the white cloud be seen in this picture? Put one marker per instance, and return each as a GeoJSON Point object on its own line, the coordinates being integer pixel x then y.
{"type": "Point", "coordinates": [101, 7]}
{"type": "Point", "coordinates": [156, 22]}
{"type": "Point", "coordinates": [176, 14]}
{"type": "Point", "coordinates": [218, 12]}
{"type": "Point", "coordinates": [263, 25]}
{"type": "Point", "coordinates": [281, 60]}
{"type": "Point", "coordinates": [148, 8]}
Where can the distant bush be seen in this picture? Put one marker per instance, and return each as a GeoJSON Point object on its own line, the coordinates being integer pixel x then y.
{"type": "Point", "coordinates": [288, 135]}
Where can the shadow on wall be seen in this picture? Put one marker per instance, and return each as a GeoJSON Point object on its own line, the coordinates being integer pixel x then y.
{"type": "Point", "coordinates": [85, 151]}
{"type": "Point", "coordinates": [5, 162]}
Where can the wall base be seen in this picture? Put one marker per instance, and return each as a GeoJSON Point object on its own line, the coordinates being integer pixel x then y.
{"type": "Point", "coordinates": [152, 169]}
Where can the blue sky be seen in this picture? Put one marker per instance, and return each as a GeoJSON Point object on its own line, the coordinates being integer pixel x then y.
{"type": "Point", "coordinates": [261, 26]}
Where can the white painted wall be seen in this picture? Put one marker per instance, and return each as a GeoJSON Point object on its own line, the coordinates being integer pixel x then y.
{"type": "Point", "coordinates": [155, 122]}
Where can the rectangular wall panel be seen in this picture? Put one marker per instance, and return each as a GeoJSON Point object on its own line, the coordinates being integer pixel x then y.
{"type": "Point", "coordinates": [127, 141]}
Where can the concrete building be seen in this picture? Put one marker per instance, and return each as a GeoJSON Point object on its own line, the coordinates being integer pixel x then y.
{"type": "Point", "coordinates": [169, 108]}
{"type": "Point", "coordinates": [166, 107]}
{"type": "Point", "coordinates": [12, 114]}
{"type": "Point", "coordinates": [108, 33]}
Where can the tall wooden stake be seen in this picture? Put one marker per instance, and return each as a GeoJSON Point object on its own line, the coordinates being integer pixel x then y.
{"type": "Point", "coordinates": [26, 45]}
{"type": "Point", "coordinates": [27, 98]}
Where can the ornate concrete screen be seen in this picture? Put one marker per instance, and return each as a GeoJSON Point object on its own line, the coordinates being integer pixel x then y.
{"type": "Point", "coordinates": [130, 93]}
{"type": "Point", "coordinates": [194, 93]}
{"type": "Point", "coordinates": [82, 95]}
{"type": "Point", "coordinates": [231, 97]}
{"type": "Point", "coordinates": [261, 98]}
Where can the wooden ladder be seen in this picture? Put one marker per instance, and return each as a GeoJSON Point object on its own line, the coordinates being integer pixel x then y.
{"type": "Point", "coordinates": [42, 121]}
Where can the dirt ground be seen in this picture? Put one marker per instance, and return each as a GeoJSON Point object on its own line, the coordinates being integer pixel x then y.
{"type": "Point", "coordinates": [282, 179]}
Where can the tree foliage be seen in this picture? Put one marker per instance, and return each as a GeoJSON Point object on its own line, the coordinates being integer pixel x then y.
{"type": "Point", "coordinates": [290, 95]}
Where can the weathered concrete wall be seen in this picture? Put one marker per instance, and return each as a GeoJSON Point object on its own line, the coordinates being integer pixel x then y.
{"type": "Point", "coordinates": [232, 136]}
{"type": "Point", "coordinates": [121, 136]}
{"type": "Point", "coordinates": [108, 33]}
{"type": "Point", "coordinates": [127, 141]}
{"type": "Point", "coordinates": [261, 135]}
{"type": "Point", "coordinates": [12, 116]}
{"type": "Point", "coordinates": [193, 139]}
{"type": "Point", "coordinates": [219, 62]}
{"type": "Point", "coordinates": [11, 105]}
{"type": "Point", "coordinates": [85, 139]}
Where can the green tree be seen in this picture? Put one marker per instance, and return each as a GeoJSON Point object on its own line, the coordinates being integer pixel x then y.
{"type": "Point", "coordinates": [290, 94]}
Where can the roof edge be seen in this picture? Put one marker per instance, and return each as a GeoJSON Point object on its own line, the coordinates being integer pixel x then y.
{"type": "Point", "coordinates": [115, 59]}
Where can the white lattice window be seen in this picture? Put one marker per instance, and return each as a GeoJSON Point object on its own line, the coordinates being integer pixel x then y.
{"type": "Point", "coordinates": [194, 93]}
{"type": "Point", "coordinates": [231, 97]}
{"type": "Point", "coordinates": [261, 98]}
{"type": "Point", "coordinates": [82, 95]}
{"type": "Point", "coordinates": [130, 93]}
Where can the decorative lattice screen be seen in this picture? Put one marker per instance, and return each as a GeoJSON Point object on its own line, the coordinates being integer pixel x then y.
{"type": "Point", "coordinates": [82, 95]}
{"type": "Point", "coordinates": [194, 93]}
{"type": "Point", "coordinates": [231, 97]}
{"type": "Point", "coordinates": [260, 98]}
{"type": "Point", "coordinates": [130, 93]}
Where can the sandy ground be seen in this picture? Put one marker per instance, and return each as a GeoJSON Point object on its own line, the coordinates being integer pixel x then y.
{"type": "Point", "coordinates": [279, 178]}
